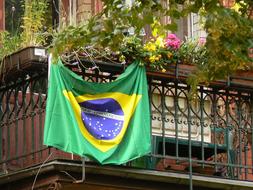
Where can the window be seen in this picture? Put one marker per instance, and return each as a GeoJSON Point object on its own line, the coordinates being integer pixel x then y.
{"type": "Point", "coordinates": [190, 27]}
{"type": "Point", "coordinates": [195, 27]}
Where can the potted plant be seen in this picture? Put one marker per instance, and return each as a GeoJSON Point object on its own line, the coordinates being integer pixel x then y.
{"type": "Point", "coordinates": [165, 56]}
{"type": "Point", "coordinates": [24, 51]}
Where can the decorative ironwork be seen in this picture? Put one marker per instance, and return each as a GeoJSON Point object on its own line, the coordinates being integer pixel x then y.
{"type": "Point", "coordinates": [21, 121]}
{"type": "Point", "coordinates": [215, 124]}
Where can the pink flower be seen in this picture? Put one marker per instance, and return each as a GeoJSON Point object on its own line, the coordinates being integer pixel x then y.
{"type": "Point", "coordinates": [172, 36]}
{"type": "Point", "coordinates": [202, 41]}
{"type": "Point", "coordinates": [172, 41]}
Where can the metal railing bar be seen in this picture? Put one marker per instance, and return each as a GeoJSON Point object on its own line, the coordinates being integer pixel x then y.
{"type": "Point", "coordinates": [201, 162]}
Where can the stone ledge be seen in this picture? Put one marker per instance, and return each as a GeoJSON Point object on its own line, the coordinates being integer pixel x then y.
{"type": "Point", "coordinates": [156, 177]}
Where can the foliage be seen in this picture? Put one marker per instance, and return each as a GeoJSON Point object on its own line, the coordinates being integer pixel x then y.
{"type": "Point", "coordinates": [33, 22]}
{"type": "Point", "coordinates": [33, 31]}
{"type": "Point", "coordinates": [193, 51]}
{"type": "Point", "coordinates": [69, 39]}
{"type": "Point", "coordinates": [8, 43]}
{"type": "Point", "coordinates": [157, 53]}
{"type": "Point", "coordinates": [108, 28]}
{"type": "Point", "coordinates": [230, 34]}
{"type": "Point", "coordinates": [228, 43]}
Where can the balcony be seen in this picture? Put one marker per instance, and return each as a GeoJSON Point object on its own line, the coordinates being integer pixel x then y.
{"type": "Point", "coordinates": [208, 139]}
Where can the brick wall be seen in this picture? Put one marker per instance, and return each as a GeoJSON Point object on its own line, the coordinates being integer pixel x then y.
{"type": "Point", "coordinates": [246, 160]}
{"type": "Point", "coordinates": [84, 10]}
{"type": "Point", "coordinates": [87, 8]}
{"type": "Point", "coordinates": [227, 3]}
{"type": "Point", "coordinates": [97, 6]}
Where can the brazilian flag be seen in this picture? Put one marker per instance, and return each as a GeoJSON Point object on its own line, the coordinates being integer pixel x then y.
{"type": "Point", "coordinates": [107, 122]}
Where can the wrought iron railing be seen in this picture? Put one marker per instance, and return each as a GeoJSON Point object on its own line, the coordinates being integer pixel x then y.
{"type": "Point", "coordinates": [210, 135]}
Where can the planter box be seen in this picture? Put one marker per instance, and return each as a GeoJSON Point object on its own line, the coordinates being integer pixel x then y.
{"type": "Point", "coordinates": [175, 71]}
{"type": "Point", "coordinates": [23, 62]}
{"type": "Point", "coordinates": [240, 79]}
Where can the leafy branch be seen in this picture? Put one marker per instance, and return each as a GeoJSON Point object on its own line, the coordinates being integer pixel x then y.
{"type": "Point", "coordinates": [230, 34]}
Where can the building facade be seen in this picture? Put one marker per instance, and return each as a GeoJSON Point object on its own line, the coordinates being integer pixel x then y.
{"type": "Point", "coordinates": [202, 144]}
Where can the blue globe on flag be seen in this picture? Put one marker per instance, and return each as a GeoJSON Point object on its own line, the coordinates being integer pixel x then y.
{"type": "Point", "coordinates": [103, 118]}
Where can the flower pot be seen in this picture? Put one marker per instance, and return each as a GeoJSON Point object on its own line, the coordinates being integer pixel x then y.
{"type": "Point", "coordinates": [178, 71]}
{"type": "Point", "coordinates": [22, 62]}
{"type": "Point", "coordinates": [243, 78]}
{"type": "Point", "coordinates": [181, 71]}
